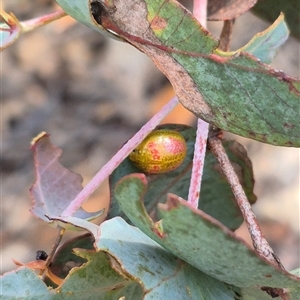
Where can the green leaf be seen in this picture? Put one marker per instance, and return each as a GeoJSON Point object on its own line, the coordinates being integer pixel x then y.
{"type": "Point", "coordinates": [236, 93]}
{"type": "Point", "coordinates": [269, 10]}
{"type": "Point", "coordinates": [23, 283]}
{"type": "Point", "coordinates": [264, 45]}
{"type": "Point", "coordinates": [199, 239]}
{"type": "Point", "coordinates": [65, 259]}
{"type": "Point", "coordinates": [177, 182]}
{"type": "Point", "coordinates": [256, 293]}
{"type": "Point", "coordinates": [162, 275]}
{"type": "Point", "coordinates": [98, 279]}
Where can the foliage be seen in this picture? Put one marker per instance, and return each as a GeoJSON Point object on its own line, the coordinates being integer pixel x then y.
{"type": "Point", "coordinates": [175, 250]}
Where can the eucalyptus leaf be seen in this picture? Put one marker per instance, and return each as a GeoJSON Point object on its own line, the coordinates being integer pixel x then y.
{"type": "Point", "coordinates": [264, 45]}
{"type": "Point", "coordinates": [98, 279]}
{"type": "Point", "coordinates": [24, 283]}
{"type": "Point", "coordinates": [199, 239]}
{"type": "Point", "coordinates": [269, 10]}
{"type": "Point", "coordinates": [164, 276]}
{"type": "Point", "coordinates": [237, 93]}
{"type": "Point", "coordinates": [135, 255]}
{"type": "Point", "coordinates": [65, 259]}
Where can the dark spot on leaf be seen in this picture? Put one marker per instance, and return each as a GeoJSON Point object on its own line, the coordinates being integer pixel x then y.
{"type": "Point", "coordinates": [264, 138]}
{"type": "Point", "coordinates": [251, 133]}
{"type": "Point", "coordinates": [288, 125]}
{"type": "Point", "coordinates": [273, 292]}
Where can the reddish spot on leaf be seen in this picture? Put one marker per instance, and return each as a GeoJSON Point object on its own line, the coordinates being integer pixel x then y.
{"type": "Point", "coordinates": [158, 23]}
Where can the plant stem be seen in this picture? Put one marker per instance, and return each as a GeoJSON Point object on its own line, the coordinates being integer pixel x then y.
{"type": "Point", "coordinates": [60, 234]}
{"type": "Point", "coordinates": [116, 160]}
{"type": "Point", "coordinates": [32, 24]}
{"type": "Point", "coordinates": [226, 34]}
{"type": "Point", "coordinates": [198, 163]}
{"type": "Point", "coordinates": [259, 242]}
{"type": "Point", "coordinates": [200, 13]}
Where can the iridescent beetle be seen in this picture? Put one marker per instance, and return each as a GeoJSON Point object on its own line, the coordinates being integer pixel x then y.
{"type": "Point", "coordinates": [162, 151]}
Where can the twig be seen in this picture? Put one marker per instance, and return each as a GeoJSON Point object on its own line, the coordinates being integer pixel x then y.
{"type": "Point", "coordinates": [259, 242]}
{"type": "Point", "coordinates": [32, 24]}
{"type": "Point", "coordinates": [200, 13]}
{"type": "Point", "coordinates": [225, 37]}
{"type": "Point", "coordinates": [60, 234]}
{"type": "Point", "coordinates": [116, 160]}
{"type": "Point", "coordinates": [198, 163]}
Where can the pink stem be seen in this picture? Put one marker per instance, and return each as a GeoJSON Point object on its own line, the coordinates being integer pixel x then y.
{"type": "Point", "coordinates": [200, 8]}
{"type": "Point", "coordinates": [29, 25]}
{"type": "Point", "coordinates": [198, 163]}
{"type": "Point", "coordinates": [200, 11]}
{"type": "Point", "coordinates": [116, 160]}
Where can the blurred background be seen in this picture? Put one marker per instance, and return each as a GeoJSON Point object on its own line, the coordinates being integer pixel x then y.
{"type": "Point", "coordinates": [92, 94]}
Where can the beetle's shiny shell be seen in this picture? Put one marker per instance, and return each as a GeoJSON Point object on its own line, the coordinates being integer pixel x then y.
{"type": "Point", "coordinates": [160, 152]}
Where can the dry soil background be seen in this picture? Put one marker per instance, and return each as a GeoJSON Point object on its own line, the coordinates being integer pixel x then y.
{"type": "Point", "coordinates": [91, 94]}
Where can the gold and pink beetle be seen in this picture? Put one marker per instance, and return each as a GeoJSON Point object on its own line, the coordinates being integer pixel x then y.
{"type": "Point", "coordinates": [160, 152]}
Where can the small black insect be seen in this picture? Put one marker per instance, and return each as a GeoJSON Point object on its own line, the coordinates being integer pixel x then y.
{"type": "Point", "coordinates": [41, 255]}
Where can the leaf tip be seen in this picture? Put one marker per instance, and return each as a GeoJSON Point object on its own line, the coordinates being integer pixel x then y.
{"type": "Point", "coordinates": [37, 138]}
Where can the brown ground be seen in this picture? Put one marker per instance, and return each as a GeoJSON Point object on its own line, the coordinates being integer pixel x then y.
{"type": "Point", "coordinates": [91, 94]}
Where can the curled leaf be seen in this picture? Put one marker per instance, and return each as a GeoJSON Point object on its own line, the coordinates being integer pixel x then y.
{"type": "Point", "coordinates": [264, 45]}
{"type": "Point", "coordinates": [55, 186]}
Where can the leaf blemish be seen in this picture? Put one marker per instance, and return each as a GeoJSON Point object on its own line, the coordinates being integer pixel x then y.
{"type": "Point", "coordinates": [158, 24]}
{"type": "Point", "coordinates": [288, 125]}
